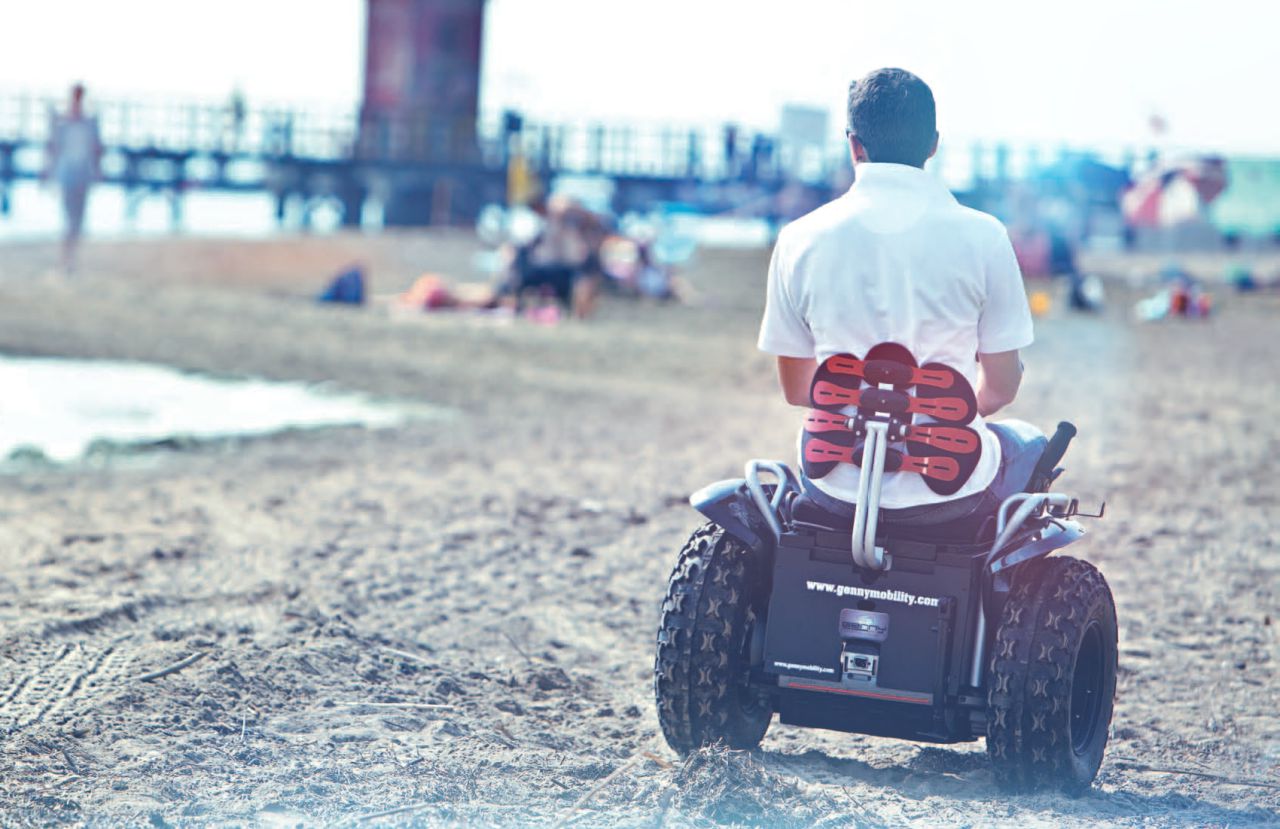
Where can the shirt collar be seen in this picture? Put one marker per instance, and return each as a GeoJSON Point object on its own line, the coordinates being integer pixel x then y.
{"type": "Point", "coordinates": [870, 175]}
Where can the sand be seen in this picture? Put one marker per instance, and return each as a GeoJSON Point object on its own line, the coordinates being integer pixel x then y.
{"type": "Point", "coordinates": [452, 622]}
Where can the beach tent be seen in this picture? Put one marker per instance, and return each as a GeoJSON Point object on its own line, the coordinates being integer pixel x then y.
{"type": "Point", "coordinates": [1176, 193]}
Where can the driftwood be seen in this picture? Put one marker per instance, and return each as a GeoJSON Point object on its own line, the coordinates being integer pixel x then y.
{"type": "Point", "coordinates": [399, 810]}
{"type": "Point", "coordinates": [414, 807]}
{"type": "Point", "coordinates": [71, 763]}
{"type": "Point", "coordinates": [357, 703]}
{"type": "Point", "coordinates": [1134, 765]}
{"type": "Point", "coordinates": [175, 667]}
{"type": "Point", "coordinates": [413, 657]}
{"type": "Point", "coordinates": [599, 787]}
{"type": "Point", "coordinates": [656, 760]}
{"type": "Point", "coordinates": [519, 649]}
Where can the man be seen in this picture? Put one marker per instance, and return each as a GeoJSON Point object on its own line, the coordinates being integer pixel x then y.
{"type": "Point", "coordinates": [897, 259]}
{"type": "Point", "coordinates": [75, 151]}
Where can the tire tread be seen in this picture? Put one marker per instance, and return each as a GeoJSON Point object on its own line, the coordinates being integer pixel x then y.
{"type": "Point", "coordinates": [698, 673]}
{"type": "Point", "coordinates": [1031, 669]}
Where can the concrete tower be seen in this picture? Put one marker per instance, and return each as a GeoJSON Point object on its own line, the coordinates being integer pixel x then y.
{"type": "Point", "coordinates": [421, 79]}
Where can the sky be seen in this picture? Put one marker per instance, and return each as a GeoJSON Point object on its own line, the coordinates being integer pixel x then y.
{"type": "Point", "coordinates": [1088, 72]}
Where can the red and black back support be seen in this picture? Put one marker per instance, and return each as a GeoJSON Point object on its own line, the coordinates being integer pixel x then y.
{"type": "Point", "coordinates": [889, 386]}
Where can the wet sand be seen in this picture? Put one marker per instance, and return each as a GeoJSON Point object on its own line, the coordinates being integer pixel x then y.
{"type": "Point", "coordinates": [453, 621]}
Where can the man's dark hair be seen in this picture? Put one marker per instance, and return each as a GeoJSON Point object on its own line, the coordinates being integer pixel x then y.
{"type": "Point", "coordinates": [891, 112]}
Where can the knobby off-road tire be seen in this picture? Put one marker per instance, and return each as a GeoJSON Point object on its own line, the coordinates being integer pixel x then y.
{"type": "Point", "coordinates": [702, 666]}
{"type": "Point", "coordinates": [1052, 678]}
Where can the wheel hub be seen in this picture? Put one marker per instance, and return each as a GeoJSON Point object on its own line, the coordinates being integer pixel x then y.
{"type": "Point", "coordinates": [1086, 689]}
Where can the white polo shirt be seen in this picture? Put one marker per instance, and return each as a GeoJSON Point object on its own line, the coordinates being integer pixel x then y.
{"type": "Point", "coordinates": [897, 259]}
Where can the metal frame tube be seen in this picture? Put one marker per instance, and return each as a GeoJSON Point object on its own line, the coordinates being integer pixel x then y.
{"type": "Point", "coordinates": [768, 509]}
{"type": "Point", "coordinates": [1031, 503]}
{"type": "Point", "coordinates": [860, 509]}
{"type": "Point", "coordinates": [873, 557]}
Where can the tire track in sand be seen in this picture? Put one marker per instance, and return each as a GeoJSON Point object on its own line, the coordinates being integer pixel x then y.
{"type": "Point", "coordinates": [52, 678]}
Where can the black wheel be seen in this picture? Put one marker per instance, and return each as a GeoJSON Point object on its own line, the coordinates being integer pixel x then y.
{"type": "Point", "coordinates": [704, 647]}
{"type": "Point", "coordinates": [1052, 677]}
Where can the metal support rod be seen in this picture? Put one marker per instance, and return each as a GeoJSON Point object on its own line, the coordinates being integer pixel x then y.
{"type": "Point", "coordinates": [979, 645]}
{"type": "Point", "coordinates": [860, 508]}
{"type": "Point", "coordinates": [768, 509]}
{"type": "Point", "coordinates": [1031, 503]}
{"type": "Point", "coordinates": [870, 553]}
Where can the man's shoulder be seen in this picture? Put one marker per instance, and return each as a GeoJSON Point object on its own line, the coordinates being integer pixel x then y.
{"type": "Point", "coordinates": [981, 225]}
{"type": "Point", "coordinates": [837, 215]}
{"type": "Point", "coordinates": [814, 224]}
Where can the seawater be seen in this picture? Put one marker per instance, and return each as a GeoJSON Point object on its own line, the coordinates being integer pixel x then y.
{"type": "Point", "coordinates": [1250, 206]}
{"type": "Point", "coordinates": [60, 409]}
{"type": "Point", "coordinates": [35, 212]}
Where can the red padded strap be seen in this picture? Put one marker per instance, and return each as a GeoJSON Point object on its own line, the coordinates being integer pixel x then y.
{"type": "Point", "coordinates": [958, 404]}
{"type": "Point", "coordinates": [817, 420]}
{"type": "Point", "coordinates": [959, 439]}
{"type": "Point", "coordinates": [826, 393]}
{"type": "Point", "coordinates": [953, 409]}
{"type": "Point", "coordinates": [888, 371]}
{"type": "Point", "coordinates": [817, 450]}
{"type": "Point", "coordinates": [935, 467]}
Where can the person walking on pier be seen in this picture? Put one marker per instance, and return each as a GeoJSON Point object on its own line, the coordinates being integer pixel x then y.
{"type": "Point", "coordinates": [75, 152]}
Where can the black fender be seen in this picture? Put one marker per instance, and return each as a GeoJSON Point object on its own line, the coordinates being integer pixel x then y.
{"type": "Point", "coordinates": [729, 504]}
{"type": "Point", "coordinates": [1056, 535]}
{"type": "Point", "coordinates": [998, 576]}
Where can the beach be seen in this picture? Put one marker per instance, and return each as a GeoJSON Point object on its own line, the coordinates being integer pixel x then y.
{"type": "Point", "coordinates": [452, 621]}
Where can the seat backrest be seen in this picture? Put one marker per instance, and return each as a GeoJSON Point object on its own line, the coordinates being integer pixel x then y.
{"type": "Point", "coordinates": [890, 388]}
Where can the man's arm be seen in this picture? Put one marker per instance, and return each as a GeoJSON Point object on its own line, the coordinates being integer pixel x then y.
{"type": "Point", "coordinates": [795, 375]}
{"type": "Point", "coordinates": [1003, 329]}
{"type": "Point", "coordinates": [785, 333]}
{"type": "Point", "coordinates": [999, 376]}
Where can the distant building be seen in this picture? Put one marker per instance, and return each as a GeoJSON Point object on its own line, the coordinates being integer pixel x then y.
{"type": "Point", "coordinates": [421, 79]}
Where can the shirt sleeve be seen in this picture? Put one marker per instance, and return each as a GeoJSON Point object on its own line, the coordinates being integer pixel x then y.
{"type": "Point", "coordinates": [1005, 324]}
{"type": "Point", "coordinates": [783, 331]}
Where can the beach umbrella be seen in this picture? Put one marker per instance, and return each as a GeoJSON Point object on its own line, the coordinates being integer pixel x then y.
{"type": "Point", "coordinates": [1208, 175]}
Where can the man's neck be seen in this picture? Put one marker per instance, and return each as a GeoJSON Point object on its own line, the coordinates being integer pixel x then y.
{"type": "Point", "coordinates": [858, 164]}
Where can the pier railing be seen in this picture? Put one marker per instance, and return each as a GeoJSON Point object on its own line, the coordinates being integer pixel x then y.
{"type": "Point", "coordinates": [166, 145]}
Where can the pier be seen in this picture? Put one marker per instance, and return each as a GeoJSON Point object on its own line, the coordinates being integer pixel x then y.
{"type": "Point", "coordinates": [419, 172]}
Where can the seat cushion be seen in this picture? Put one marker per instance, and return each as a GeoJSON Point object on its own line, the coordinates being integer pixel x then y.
{"type": "Point", "coordinates": [808, 511]}
{"type": "Point", "coordinates": [1021, 446]}
{"type": "Point", "coordinates": [959, 519]}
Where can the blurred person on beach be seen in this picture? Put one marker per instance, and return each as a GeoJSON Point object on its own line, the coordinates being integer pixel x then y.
{"type": "Point", "coordinates": [237, 110]}
{"type": "Point", "coordinates": [633, 269]}
{"type": "Point", "coordinates": [562, 261]}
{"type": "Point", "coordinates": [72, 162]}
{"type": "Point", "coordinates": [1046, 232]}
{"type": "Point", "coordinates": [731, 151]}
{"type": "Point", "coordinates": [897, 259]}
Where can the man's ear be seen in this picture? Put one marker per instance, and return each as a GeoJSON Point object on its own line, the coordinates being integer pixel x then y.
{"type": "Point", "coordinates": [934, 149]}
{"type": "Point", "coordinates": [858, 151]}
